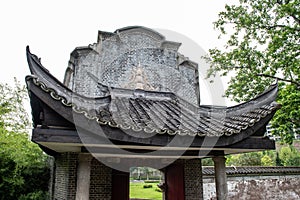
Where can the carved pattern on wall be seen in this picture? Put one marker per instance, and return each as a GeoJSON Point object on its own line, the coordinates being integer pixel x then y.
{"type": "Point", "coordinates": [113, 60]}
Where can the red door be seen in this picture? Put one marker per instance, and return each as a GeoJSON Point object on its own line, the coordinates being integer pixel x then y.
{"type": "Point", "coordinates": [175, 182]}
{"type": "Point", "coordinates": [120, 185]}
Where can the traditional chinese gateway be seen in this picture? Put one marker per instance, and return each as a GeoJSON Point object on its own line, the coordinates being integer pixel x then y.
{"type": "Point", "coordinates": [132, 100]}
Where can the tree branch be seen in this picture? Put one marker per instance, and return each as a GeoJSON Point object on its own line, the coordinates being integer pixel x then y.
{"type": "Point", "coordinates": [280, 79]}
{"type": "Point", "coordinates": [293, 16]}
{"type": "Point", "coordinates": [278, 26]}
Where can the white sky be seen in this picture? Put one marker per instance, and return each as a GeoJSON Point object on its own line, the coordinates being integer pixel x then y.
{"type": "Point", "coordinates": [54, 28]}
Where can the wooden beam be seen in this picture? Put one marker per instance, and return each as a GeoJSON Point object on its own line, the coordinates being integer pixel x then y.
{"type": "Point", "coordinates": [71, 136]}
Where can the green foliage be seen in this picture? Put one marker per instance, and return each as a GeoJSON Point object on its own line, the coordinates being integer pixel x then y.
{"type": "Point", "coordinates": [39, 195]}
{"type": "Point", "coordinates": [207, 162]}
{"type": "Point", "coordinates": [13, 115]}
{"type": "Point", "coordinates": [284, 156]}
{"type": "Point", "coordinates": [278, 160]}
{"type": "Point", "coordinates": [267, 161]}
{"type": "Point", "coordinates": [262, 46]}
{"type": "Point", "coordinates": [287, 119]}
{"type": "Point", "coordinates": [289, 156]}
{"type": "Point", "coordinates": [151, 181]}
{"type": "Point", "coordinates": [245, 159]}
{"type": "Point", "coordinates": [23, 166]}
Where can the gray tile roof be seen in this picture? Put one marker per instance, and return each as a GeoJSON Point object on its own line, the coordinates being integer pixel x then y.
{"type": "Point", "coordinates": [158, 112]}
{"type": "Point", "coordinates": [173, 115]}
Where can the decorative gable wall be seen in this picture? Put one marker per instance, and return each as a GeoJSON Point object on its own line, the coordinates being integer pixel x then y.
{"type": "Point", "coordinates": [132, 58]}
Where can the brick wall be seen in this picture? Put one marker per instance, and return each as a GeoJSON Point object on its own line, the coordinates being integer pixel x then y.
{"type": "Point", "coordinates": [101, 178]}
{"type": "Point", "coordinates": [193, 179]}
{"type": "Point", "coordinates": [65, 176]}
{"type": "Point", "coordinates": [100, 183]}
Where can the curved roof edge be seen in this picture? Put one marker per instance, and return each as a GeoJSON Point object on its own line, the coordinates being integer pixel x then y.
{"type": "Point", "coordinates": [48, 83]}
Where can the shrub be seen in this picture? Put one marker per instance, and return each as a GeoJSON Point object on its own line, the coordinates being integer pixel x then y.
{"type": "Point", "coordinates": [147, 186]}
{"type": "Point", "coordinates": [289, 156]}
{"type": "Point", "coordinates": [39, 195]}
{"type": "Point", "coordinates": [151, 181]}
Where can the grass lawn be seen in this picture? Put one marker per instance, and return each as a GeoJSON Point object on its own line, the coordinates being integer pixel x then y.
{"type": "Point", "coordinates": [137, 191]}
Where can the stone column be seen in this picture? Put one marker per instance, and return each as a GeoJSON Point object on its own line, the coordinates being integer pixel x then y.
{"type": "Point", "coordinates": [83, 177]}
{"type": "Point", "coordinates": [220, 177]}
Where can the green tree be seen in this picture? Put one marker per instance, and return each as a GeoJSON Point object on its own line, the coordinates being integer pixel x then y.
{"type": "Point", "coordinates": [13, 115]}
{"type": "Point", "coordinates": [278, 161]}
{"type": "Point", "coordinates": [289, 156]}
{"type": "Point", "coordinates": [207, 162]}
{"type": "Point", "coordinates": [24, 171]}
{"type": "Point", "coordinates": [263, 45]}
{"type": "Point", "coordinates": [245, 159]}
{"type": "Point", "coordinates": [265, 158]}
{"type": "Point", "coordinates": [267, 161]}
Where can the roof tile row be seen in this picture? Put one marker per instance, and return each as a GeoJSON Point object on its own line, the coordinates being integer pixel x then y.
{"type": "Point", "coordinates": [209, 171]}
